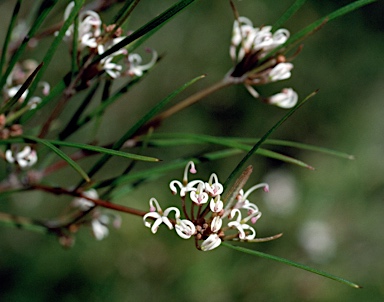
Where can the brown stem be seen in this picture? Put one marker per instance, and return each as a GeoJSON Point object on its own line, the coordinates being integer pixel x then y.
{"type": "Point", "coordinates": [156, 121]}
{"type": "Point", "coordinates": [99, 202]}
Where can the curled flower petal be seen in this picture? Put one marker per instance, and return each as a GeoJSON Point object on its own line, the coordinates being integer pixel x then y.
{"type": "Point", "coordinates": [280, 72]}
{"type": "Point", "coordinates": [185, 228]}
{"type": "Point", "coordinates": [287, 98]}
{"type": "Point", "coordinates": [216, 224]}
{"type": "Point", "coordinates": [199, 196]}
{"type": "Point", "coordinates": [213, 187]}
{"type": "Point", "coordinates": [216, 204]}
{"type": "Point", "coordinates": [212, 242]}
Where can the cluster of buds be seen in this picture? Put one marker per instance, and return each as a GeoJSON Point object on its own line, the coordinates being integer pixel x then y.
{"type": "Point", "coordinates": [210, 219]}
{"type": "Point", "coordinates": [97, 220]}
{"type": "Point", "coordinates": [97, 38]}
{"type": "Point", "coordinates": [249, 49]}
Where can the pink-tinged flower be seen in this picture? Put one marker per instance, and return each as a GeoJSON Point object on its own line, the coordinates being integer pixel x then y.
{"type": "Point", "coordinates": [212, 242]}
{"type": "Point", "coordinates": [159, 216]}
{"type": "Point", "coordinates": [245, 231]}
{"type": "Point", "coordinates": [249, 48]}
{"type": "Point", "coordinates": [199, 196]}
{"type": "Point", "coordinates": [287, 98]}
{"type": "Point", "coordinates": [280, 72]}
{"type": "Point", "coordinates": [185, 228]}
{"type": "Point", "coordinates": [89, 28]}
{"type": "Point", "coordinates": [185, 186]}
{"type": "Point", "coordinates": [213, 187]}
{"type": "Point", "coordinates": [216, 224]}
{"type": "Point", "coordinates": [216, 204]}
{"type": "Point", "coordinates": [135, 66]}
{"type": "Point", "coordinates": [26, 158]}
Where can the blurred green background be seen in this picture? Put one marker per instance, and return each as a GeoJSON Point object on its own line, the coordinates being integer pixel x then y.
{"type": "Point", "coordinates": [332, 218]}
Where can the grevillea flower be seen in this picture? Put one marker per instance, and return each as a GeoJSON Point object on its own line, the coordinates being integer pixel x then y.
{"type": "Point", "coordinates": [212, 223]}
{"type": "Point", "coordinates": [249, 49]}
{"type": "Point", "coordinates": [25, 158]}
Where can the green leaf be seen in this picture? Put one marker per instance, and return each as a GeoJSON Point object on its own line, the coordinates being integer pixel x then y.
{"type": "Point", "coordinates": [35, 26]}
{"type": "Point", "coordinates": [9, 34]}
{"type": "Point", "coordinates": [73, 124]}
{"type": "Point", "coordinates": [20, 92]}
{"type": "Point", "coordinates": [262, 140]}
{"type": "Point", "coordinates": [291, 263]}
{"type": "Point", "coordinates": [22, 223]}
{"type": "Point", "coordinates": [177, 139]}
{"type": "Point", "coordinates": [288, 14]}
{"type": "Point", "coordinates": [119, 143]}
{"type": "Point", "coordinates": [96, 149]}
{"type": "Point", "coordinates": [55, 44]}
{"type": "Point", "coordinates": [154, 23]}
{"type": "Point", "coordinates": [158, 170]}
{"type": "Point", "coordinates": [124, 13]}
{"type": "Point", "coordinates": [65, 157]}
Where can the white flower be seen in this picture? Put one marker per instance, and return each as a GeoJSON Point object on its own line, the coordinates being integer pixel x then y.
{"type": "Point", "coordinates": [213, 187]}
{"type": "Point", "coordinates": [13, 90]}
{"type": "Point", "coordinates": [248, 39]}
{"type": "Point", "coordinates": [216, 224]}
{"type": "Point", "coordinates": [136, 68]}
{"type": "Point", "coordinates": [99, 229]}
{"type": "Point", "coordinates": [287, 98]}
{"type": "Point", "coordinates": [185, 186]}
{"type": "Point", "coordinates": [85, 204]}
{"type": "Point", "coordinates": [212, 242]}
{"type": "Point", "coordinates": [199, 196]}
{"type": "Point", "coordinates": [241, 226]}
{"type": "Point", "coordinates": [89, 28]}
{"type": "Point", "coordinates": [159, 216]}
{"type": "Point", "coordinates": [185, 228]}
{"type": "Point", "coordinates": [216, 204]}
{"type": "Point", "coordinates": [280, 72]}
{"type": "Point", "coordinates": [25, 158]}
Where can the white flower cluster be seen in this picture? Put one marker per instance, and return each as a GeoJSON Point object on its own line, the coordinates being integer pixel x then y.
{"type": "Point", "coordinates": [251, 44]}
{"type": "Point", "coordinates": [99, 221]}
{"type": "Point", "coordinates": [208, 219]}
{"type": "Point", "coordinates": [24, 159]}
{"type": "Point", "coordinates": [93, 36]}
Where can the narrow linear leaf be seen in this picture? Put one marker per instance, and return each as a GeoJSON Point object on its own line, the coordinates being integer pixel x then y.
{"type": "Point", "coordinates": [291, 263]}
{"type": "Point", "coordinates": [188, 138]}
{"type": "Point", "coordinates": [124, 13]}
{"type": "Point", "coordinates": [21, 223]}
{"type": "Point", "coordinates": [160, 19]}
{"type": "Point", "coordinates": [262, 140]}
{"type": "Point", "coordinates": [15, 13]}
{"type": "Point", "coordinates": [288, 14]}
{"type": "Point", "coordinates": [91, 148]}
{"type": "Point", "coordinates": [159, 170]}
{"type": "Point", "coordinates": [72, 126]}
{"type": "Point", "coordinates": [119, 143]}
{"type": "Point", "coordinates": [22, 89]}
{"type": "Point", "coordinates": [35, 26]}
{"type": "Point", "coordinates": [55, 44]}
{"type": "Point", "coordinates": [65, 157]}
